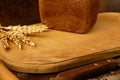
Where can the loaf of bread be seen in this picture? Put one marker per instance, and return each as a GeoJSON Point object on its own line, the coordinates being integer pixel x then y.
{"type": "Point", "coordinates": [77, 16]}
{"type": "Point", "coordinates": [13, 12]}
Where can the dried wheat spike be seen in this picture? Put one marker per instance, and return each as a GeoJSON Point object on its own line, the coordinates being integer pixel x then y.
{"type": "Point", "coordinates": [3, 38]}
{"type": "Point", "coordinates": [5, 43]}
{"type": "Point", "coordinates": [17, 37]}
{"type": "Point", "coordinates": [18, 34]}
{"type": "Point", "coordinates": [13, 37]}
{"type": "Point", "coordinates": [28, 29]}
{"type": "Point", "coordinates": [33, 29]}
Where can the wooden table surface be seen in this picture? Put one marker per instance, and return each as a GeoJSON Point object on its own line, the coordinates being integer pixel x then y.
{"type": "Point", "coordinates": [105, 6]}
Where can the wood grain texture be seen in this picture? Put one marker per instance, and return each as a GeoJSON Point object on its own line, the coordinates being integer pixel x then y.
{"type": "Point", "coordinates": [83, 72]}
{"type": "Point", "coordinates": [111, 75]}
{"type": "Point", "coordinates": [57, 50]}
{"type": "Point", "coordinates": [5, 74]}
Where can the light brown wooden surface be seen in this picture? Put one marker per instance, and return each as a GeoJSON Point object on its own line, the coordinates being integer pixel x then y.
{"type": "Point", "coordinates": [5, 74]}
{"type": "Point", "coordinates": [57, 50]}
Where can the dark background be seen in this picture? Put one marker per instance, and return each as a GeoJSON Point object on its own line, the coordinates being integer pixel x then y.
{"type": "Point", "coordinates": [109, 5]}
{"type": "Point", "coordinates": [15, 12]}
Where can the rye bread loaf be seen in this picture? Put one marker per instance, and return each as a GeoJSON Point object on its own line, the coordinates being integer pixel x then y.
{"type": "Point", "coordinates": [77, 16]}
{"type": "Point", "coordinates": [13, 12]}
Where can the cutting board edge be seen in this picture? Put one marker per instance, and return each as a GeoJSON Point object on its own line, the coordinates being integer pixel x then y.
{"type": "Point", "coordinates": [63, 65]}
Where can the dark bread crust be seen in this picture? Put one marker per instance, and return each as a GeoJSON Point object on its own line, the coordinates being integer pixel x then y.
{"type": "Point", "coordinates": [77, 16]}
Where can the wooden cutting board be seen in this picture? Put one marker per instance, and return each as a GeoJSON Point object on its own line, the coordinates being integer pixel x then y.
{"type": "Point", "coordinates": [58, 50]}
